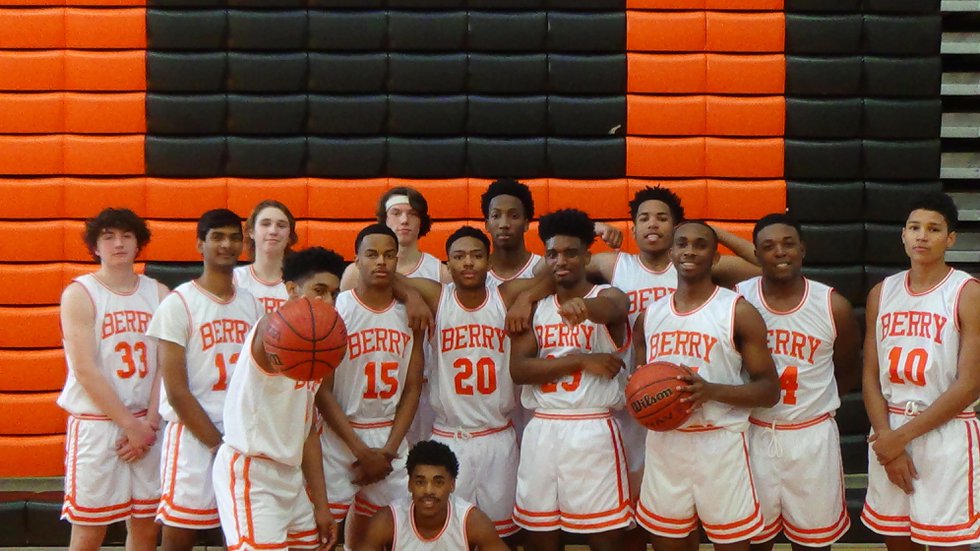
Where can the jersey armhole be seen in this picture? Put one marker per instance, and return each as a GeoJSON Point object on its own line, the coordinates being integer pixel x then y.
{"type": "Point", "coordinates": [465, 525]}
{"type": "Point", "coordinates": [731, 327]}
{"type": "Point", "coordinates": [956, 301]}
{"type": "Point", "coordinates": [830, 311]}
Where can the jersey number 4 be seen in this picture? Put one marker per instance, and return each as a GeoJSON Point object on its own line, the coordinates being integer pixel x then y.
{"type": "Point", "coordinates": [913, 368]}
{"type": "Point", "coordinates": [789, 384]}
{"type": "Point", "coordinates": [484, 372]}
{"type": "Point", "coordinates": [385, 373]}
{"type": "Point", "coordinates": [134, 356]}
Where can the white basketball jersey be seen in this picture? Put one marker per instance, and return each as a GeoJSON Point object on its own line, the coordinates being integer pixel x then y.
{"type": "Point", "coordinates": [452, 537]}
{"type": "Point", "coordinates": [270, 294]}
{"type": "Point", "coordinates": [527, 272]}
{"type": "Point", "coordinates": [369, 382]}
{"type": "Point", "coordinates": [126, 357]}
{"type": "Point", "coordinates": [470, 386]}
{"type": "Point", "coordinates": [428, 267]}
{"type": "Point", "coordinates": [267, 415]}
{"type": "Point", "coordinates": [579, 390]}
{"type": "Point", "coordinates": [212, 332]}
{"type": "Point", "coordinates": [918, 338]}
{"type": "Point", "coordinates": [702, 339]}
{"type": "Point", "coordinates": [641, 284]}
{"type": "Point", "coordinates": [801, 342]}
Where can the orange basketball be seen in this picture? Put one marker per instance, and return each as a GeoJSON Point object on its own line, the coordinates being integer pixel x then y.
{"type": "Point", "coordinates": [305, 339]}
{"type": "Point", "coordinates": [652, 396]}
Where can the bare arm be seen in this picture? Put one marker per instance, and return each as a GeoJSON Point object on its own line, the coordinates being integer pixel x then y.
{"type": "Point", "coordinates": [481, 533]}
{"type": "Point", "coordinates": [601, 267]}
{"type": "Point", "coordinates": [316, 486]}
{"type": "Point", "coordinates": [409, 402]}
{"type": "Point", "coordinates": [874, 402]}
{"type": "Point", "coordinates": [526, 368]}
{"type": "Point", "coordinates": [520, 295]}
{"type": "Point", "coordinates": [639, 341]}
{"type": "Point", "coordinates": [409, 288]}
{"type": "Point", "coordinates": [153, 409]}
{"type": "Point", "coordinates": [731, 270]}
{"type": "Point", "coordinates": [374, 465]}
{"type": "Point", "coordinates": [380, 532]}
{"type": "Point", "coordinates": [846, 346]}
{"type": "Point", "coordinates": [173, 366]}
{"type": "Point", "coordinates": [350, 278]}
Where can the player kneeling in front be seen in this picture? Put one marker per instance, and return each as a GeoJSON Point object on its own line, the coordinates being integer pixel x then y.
{"type": "Point", "coordinates": [268, 473]}
{"type": "Point", "coordinates": [432, 519]}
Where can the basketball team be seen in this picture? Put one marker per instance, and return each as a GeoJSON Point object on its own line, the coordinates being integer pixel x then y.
{"type": "Point", "coordinates": [480, 403]}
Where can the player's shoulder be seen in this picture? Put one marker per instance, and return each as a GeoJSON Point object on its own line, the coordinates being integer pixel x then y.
{"type": "Point", "coordinates": [746, 287]}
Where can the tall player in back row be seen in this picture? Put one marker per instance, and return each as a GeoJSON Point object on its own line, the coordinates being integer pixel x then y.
{"type": "Point", "coordinates": [270, 233]}
{"type": "Point", "coordinates": [921, 381]}
{"type": "Point", "coordinates": [112, 467]}
{"type": "Point", "coordinates": [813, 338]}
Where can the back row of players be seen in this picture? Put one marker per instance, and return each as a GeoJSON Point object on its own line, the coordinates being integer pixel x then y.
{"type": "Point", "coordinates": [759, 455]}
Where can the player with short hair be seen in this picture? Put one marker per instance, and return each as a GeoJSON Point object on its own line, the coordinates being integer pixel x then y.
{"type": "Point", "coordinates": [701, 470]}
{"type": "Point", "coordinates": [508, 209]}
{"type": "Point", "coordinates": [432, 517]}
{"type": "Point", "coordinates": [268, 475]}
{"type": "Point", "coordinates": [112, 458]}
{"type": "Point", "coordinates": [200, 329]}
{"type": "Point", "coordinates": [813, 339]}
{"type": "Point", "coordinates": [572, 473]}
{"type": "Point", "coordinates": [270, 233]}
{"type": "Point", "coordinates": [921, 381]}
{"type": "Point", "coordinates": [369, 401]}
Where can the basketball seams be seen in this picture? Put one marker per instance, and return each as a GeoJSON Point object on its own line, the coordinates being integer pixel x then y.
{"type": "Point", "coordinates": [316, 357]}
{"type": "Point", "coordinates": [666, 412]}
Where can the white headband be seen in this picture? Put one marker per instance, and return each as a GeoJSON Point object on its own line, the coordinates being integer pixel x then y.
{"type": "Point", "coordinates": [396, 200]}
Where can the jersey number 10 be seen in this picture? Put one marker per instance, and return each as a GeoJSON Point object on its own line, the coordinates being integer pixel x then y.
{"type": "Point", "coordinates": [913, 369]}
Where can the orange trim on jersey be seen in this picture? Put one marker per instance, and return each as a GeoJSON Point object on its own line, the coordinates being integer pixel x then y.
{"type": "Point", "coordinates": [944, 528]}
{"type": "Point", "coordinates": [372, 425]}
{"type": "Point", "coordinates": [517, 274]}
{"type": "Point", "coordinates": [572, 416]}
{"type": "Point", "coordinates": [353, 293]}
{"type": "Point", "coordinates": [449, 517]}
{"type": "Point", "coordinates": [748, 469]}
{"type": "Point", "coordinates": [908, 289]}
{"type": "Point", "coordinates": [762, 298]}
{"type": "Point", "coordinates": [466, 434]}
{"type": "Point", "coordinates": [234, 499]}
{"type": "Point", "coordinates": [970, 429]}
{"type": "Point", "coordinates": [115, 292]}
{"type": "Point", "coordinates": [790, 426]}
{"type": "Point", "coordinates": [967, 415]}
{"type": "Point", "coordinates": [212, 297]}
{"type": "Point", "coordinates": [95, 417]}
{"type": "Point", "coordinates": [956, 302]}
{"type": "Point", "coordinates": [486, 300]}
{"type": "Point", "coordinates": [699, 428]}
{"type": "Point", "coordinates": [247, 495]}
{"type": "Point", "coordinates": [364, 507]}
{"type": "Point", "coordinates": [251, 272]}
{"type": "Point", "coordinates": [674, 311]}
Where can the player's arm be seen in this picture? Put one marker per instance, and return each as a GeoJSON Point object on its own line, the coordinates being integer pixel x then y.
{"type": "Point", "coordinates": [153, 409]}
{"type": "Point", "coordinates": [730, 270]}
{"type": "Point", "coordinates": [601, 267]}
{"type": "Point", "coordinates": [316, 485]}
{"type": "Point", "coordinates": [78, 328]}
{"type": "Point", "coordinates": [481, 533]}
{"type": "Point", "coordinates": [350, 278]}
{"type": "Point", "coordinates": [611, 306]}
{"type": "Point", "coordinates": [526, 368]}
{"type": "Point", "coordinates": [173, 369]}
{"type": "Point", "coordinates": [374, 466]}
{"type": "Point", "coordinates": [639, 341]}
{"type": "Point", "coordinates": [847, 351]}
{"type": "Point", "coordinates": [380, 532]}
{"type": "Point", "coordinates": [408, 404]}
{"type": "Point", "coordinates": [520, 295]}
{"type": "Point", "coordinates": [610, 235]}
{"type": "Point", "coordinates": [421, 299]}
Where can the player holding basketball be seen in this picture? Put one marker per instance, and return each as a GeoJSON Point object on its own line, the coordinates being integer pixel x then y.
{"type": "Point", "coordinates": [268, 474]}
{"type": "Point", "coordinates": [270, 233]}
{"type": "Point", "coordinates": [572, 472]}
{"type": "Point", "coordinates": [200, 328]}
{"type": "Point", "coordinates": [701, 470]}
{"type": "Point", "coordinates": [813, 338]}
{"type": "Point", "coordinates": [369, 402]}
{"type": "Point", "coordinates": [112, 467]}
{"type": "Point", "coordinates": [921, 380]}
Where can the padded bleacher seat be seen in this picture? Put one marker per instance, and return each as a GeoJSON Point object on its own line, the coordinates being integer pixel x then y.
{"type": "Point", "coordinates": [344, 31]}
{"type": "Point", "coordinates": [745, 74]}
{"type": "Point", "coordinates": [426, 3]}
{"type": "Point", "coordinates": [851, 416]}
{"type": "Point", "coordinates": [44, 525]}
{"type": "Point", "coordinates": [902, 76]}
{"type": "Point", "coordinates": [507, 73]}
{"type": "Point", "coordinates": [426, 31]}
{"type": "Point", "coordinates": [359, 198]}
{"type": "Point", "coordinates": [91, 28]}
{"type": "Point", "coordinates": [30, 284]}
{"type": "Point", "coordinates": [494, 158]}
{"type": "Point", "coordinates": [262, 72]}
{"type": "Point", "coordinates": [31, 413]}
{"type": "Point", "coordinates": [666, 31]}
{"type": "Point", "coordinates": [859, 533]}
{"type": "Point", "coordinates": [507, 116]}
{"type": "Point", "coordinates": [901, 160]}
{"type": "Point", "coordinates": [185, 3]}
{"type": "Point", "coordinates": [854, 453]}
{"type": "Point", "coordinates": [173, 274]}
{"type": "Point", "coordinates": [357, 4]}
{"type": "Point", "coordinates": [810, 201]}
{"type": "Point", "coordinates": [587, 158]}
{"type": "Point", "coordinates": [83, 196]}
{"type": "Point", "coordinates": [842, 6]}
{"type": "Point", "coordinates": [604, 199]}
{"type": "Point", "coordinates": [743, 157]}
{"type": "Point", "coordinates": [586, 116]}
{"type": "Point", "coordinates": [170, 198]}
{"type": "Point", "coordinates": [32, 456]}
{"type": "Point", "coordinates": [903, 34]}
{"type": "Point", "coordinates": [187, 157]}
{"type": "Point", "coordinates": [902, 118]}
{"type": "Point", "coordinates": [587, 5]}
{"type": "Point", "coordinates": [587, 74]}
{"type": "Point", "coordinates": [884, 244]}
{"type": "Point", "coordinates": [34, 198]}
{"type": "Point", "coordinates": [834, 243]}
{"type": "Point", "coordinates": [665, 157]}
{"type": "Point", "coordinates": [586, 32]}
{"type": "Point", "coordinates": [657, 115]}
{"type": "Point", "coordinates": [266, 157]}
{"type": "Point", "coordinates": [752, 116]}
{"type": "Point", "coordinates": [13, 519]}
{"type": "Point", "coordinates": [98, 113]}
{"type": "Point", "coordinates": [426, 158]}
{"type": "Point", "coordinates": [426, 73]}
{"type": "Point", "coordinates": [747, 32]}
{"type": "Point", "coordinates": [426, 115]}
{"type": "Point", "coordinates": [821, 34]}
{"type": "Point", "coordinates": [345, 157]}
{"type": "Point", "coordinates": [886, 201]}
{"type": "Point", "coordinates": [837, 159]}
{"type": "Point", "coordinates": [823, 76]}
{"type": "Point", "coordinates": [174, 29]}
{"type": "Point", "coordinates": [823, 118]}
{"type": "Point", "coordinates": [503, 31]}
{"type": "Point", "coordinates": [506, 4]}
{"type": "Point", "coordinates": [847, 280]}
{"type": "Point", "coordinates": [186, 72]}
{"type": "Point", "coordinates": [347, 115]}
{"type": "Point", "coordinates": [185, 114]}
{"type": "Point", "coordinates": [347, 73]}
{"type": "Point", "coordinates": [902, 6]}
{"type": "Point", "coordinates": [266, 115]}
{"type": "Point", "coordinates": [266, 30]}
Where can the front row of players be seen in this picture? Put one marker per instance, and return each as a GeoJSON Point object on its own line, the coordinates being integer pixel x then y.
{"type": "Point", "coordinates": [759, 454]}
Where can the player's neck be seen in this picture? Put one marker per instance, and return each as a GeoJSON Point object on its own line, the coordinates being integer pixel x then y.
{"type": "Point", "coordinates": [507, 262]}
{"type": "Point", "coordinates": [784, 294]}
{"type": "Point", "coordinates": [267, 267]}
{"type": "Point", "coordinates": [473, 297]}
{"type": "Point", "coordinates": [576, 290]}
{"type": "Point", "coordinates": [409, 257]}
{"type": "Point", "coordinates": [217, 281]}
{"type": "Point", "coordinates": [655, 261]}
{"type": "Point", "coordinates": [376, 297]}
{"type": "Point", "coordinates": [691, 294]}
{"type": "Point", "coordinates": [923, 277]}
{"type": "Point", "coordinates": [429, 527]}
{"type": "Point", "coordinates": [122, 279]}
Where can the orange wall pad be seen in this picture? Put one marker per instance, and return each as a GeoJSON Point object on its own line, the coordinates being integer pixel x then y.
{"type": "Point", "coordinates": [665, 31]}
{"type": "Point", "coordinates": [33, 198]}
{"type": "Point", "coordinates": [666, 73]}
{"type": "Point", "coordinates": [30, 284]}
{"type": "Point", "coordinates": [32, 455]}
{"type": "Point", "coordinates": [32, 113]}
{"type": "Point", "coordinates": [185, 199]}
{"type": "Point", "coordinates": [32, 370]}
{"type": "Point", "coordinates": [666, 115]}
{"type": "Point", "coordinates": [30, 327]}
{"type": "Point", "coordinates": [35, 242]}
{"type": "Point", "coordinates": [32, 413]}
{"type": "Point", "coordinates": [744, 31]}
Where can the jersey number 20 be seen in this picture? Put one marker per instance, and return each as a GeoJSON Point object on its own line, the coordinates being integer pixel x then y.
{"type": "Point", "coordinates": [485, 375]}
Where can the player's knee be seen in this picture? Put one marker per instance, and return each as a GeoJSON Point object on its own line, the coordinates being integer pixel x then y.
{"type": "Point", "coordinates": [86, 538]}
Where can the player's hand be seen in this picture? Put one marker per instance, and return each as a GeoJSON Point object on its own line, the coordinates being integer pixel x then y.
{"type": "Point", "coordinates": [128, 453]}
{"type": "Point", "coordinates": [140, 433]}
{"type": "Point", "coordinates": [420, 317]}
{"type": "Point", "coordinates": [901, 472]}
{"type": "Point", "coordinates": [887, 445]}
{"type": "Point", "coordinates": [327, 527]}
{"type": "Point", "coordinates": [609, 234]}
{"type": "Point", "coordinates": [574, 311]}
{"type": "Point", "coordinates": [699, 391]}
{"type": "Point", "coordinates": [605, 366]}
{"type": "Point", "coordinates": [374, 465]}
{"type": "Point", "coordinates": [519, 315]}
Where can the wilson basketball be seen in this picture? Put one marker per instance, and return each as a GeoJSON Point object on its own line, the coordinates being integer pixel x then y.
{"type": "Point", "coordinates": [652, 396]}
{"type": "Point", "coordinates": [305, 339]}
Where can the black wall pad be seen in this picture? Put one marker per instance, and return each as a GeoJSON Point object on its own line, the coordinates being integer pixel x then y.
{"type": "Point", "coordinates": [851, 416]}
{"type": "Point", "coordinates": [825, 201]}
{"type": "Point", "coordinates": [173, 274]}
{"type": "Point", "coordinates": [507, 73]}
{"type": "Point", "coordinates": [186, 72]}
{"type": "Point", "coordinates": [905, 6]}
{"type": "Point", "coordinates": [352, 4]}
{"type": "Point", "coordinates": [184, 114]}
{"type": "Point", "coordinates": [347, 30]}
{"type": "Point", "coordinates": [185, 157]}
{"type": "Point", "coordinates": [266, 157]}
{"type": "Point", "coordinates": [185, 29]}
{"type": "Point", "coordinates": [884, 244]}
{"type": "Point", "coordinates": [506, 4]}
{"type": "Point", "coordinates": [906, 160]}
{"type": "Point", "coordinates": [426, 31]}
{"type": "Point", "coordinates": [823, 33]}
{"type": "Point", "coordinates": [345, 157]}
{"type": "Point", "coordinates": [253, 72]}
{"type": "Point", "coordinates": [902, 118]}
{"type": "Point", "coordinates": [823, 118]}
{"type": "Point", "coordinates": [874, 274]}
{"type": "Point", "coordinates": [507, 116]}
{"type": "Point", "coordinates": [587, 74]}
{"type": "Point", "coordinates": [267, 29]}
{"type": "Point", "coordinates": [44, 525]}
{"type": "Point", "coordinates": [587, 5]}
{"type": "Point", "coordinates": [426, 115]}
{"type": "Point", "coordinates": [347, 114]}
{"type": "Point", "coordinates": [840, 6]}
{"type": "Point", "coordinates": [823, 76]}
{"type": "Point", "coordinates": [586, 116]}
{"type": "Point", "coordinates": [185, 3]}
{"type": "Point", "coordinates": [847, 280]}
{"type": "Point", "coordinates": [587, 32]}
{"type": "Point", "coordinates": [854, 453]}
{"type": "Point", "coordinates": [587, 158]}
{"type": "Point", "coordinates": [426, 158]}
{"type": "Point", "coordinates": [902, 76]}
{"type": "Point", "coordinates": [267, 115]}
{"type": "Point", "coordinates": [347, 73]}
{"type": "Point", "coordinates": [888, 201]}
{"type": "Point", "coordinates": [498, 31]}
{"type": "Point", "coordinates": [427, 73]}
{"type": "Point", "coordinates": [426, 3]}
{"type": "Point", "coordinates": [493, 158]}
{"type": "Point", "coordinates": [278, 4]}
{"type": "Point", "coordinates": [13, 518]}
{"type": "Point", "coordinates": [902, 34]}
{"type": "Point", "coordinates": [834, 243]}
{"type": "Point", "coordinates": [815, 160]}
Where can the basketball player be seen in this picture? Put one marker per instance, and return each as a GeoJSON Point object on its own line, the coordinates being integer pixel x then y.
{"type": "Point", "coordinates": [200, 328]}
{"type": "Point", "coordinates": [369, 401]}
{"type": "Point", "coordinates": [701, 470]}
{"type": "Point", "coordinates": [813, 339]}
{"type": "Point", "coordinates": [433, 518]}
{"type": "Point", "coordinates": [572, 472]}
{"type": "Point", "coordinates": [921, 380]}
{"type": "Point", "coordinates": [113, 457]}
{"type": "Point", "coordinates": [268, 476]}
{"type": "Point", "coordinates": [270, 233]}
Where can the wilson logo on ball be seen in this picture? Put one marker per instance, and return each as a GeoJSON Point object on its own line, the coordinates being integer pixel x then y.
{"type": "Point", "coordinates": [647, 400]}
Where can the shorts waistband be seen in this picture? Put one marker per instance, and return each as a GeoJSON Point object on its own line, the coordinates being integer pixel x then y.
{"type": "Point", "coordinates": [790, 426]}
{"type": "Point", "coordinates": [572, 414]}
{"type": "Point", "coordinates": [466, 434]}
{"type": "Point", "coordinates": [94, 417]}
{"type": "Point", "coordinates": [911, 409]}
{"type": "Point", "coordinates": [371, 423]}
